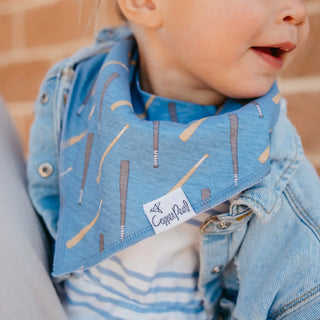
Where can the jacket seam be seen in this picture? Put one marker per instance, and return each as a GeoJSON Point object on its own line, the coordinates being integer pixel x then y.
{"type": "Point", "coordinates": [294, 303]}
{"type": "Point", "coordinates": [55, 113]}
{"type": "Point", "coordinates": [304, 213]}
{"type": "Point", "coordinates": [287, 168]}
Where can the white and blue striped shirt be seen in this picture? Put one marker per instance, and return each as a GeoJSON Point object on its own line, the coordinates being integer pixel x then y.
{"type": "Point", "coordinates": [154, 279]}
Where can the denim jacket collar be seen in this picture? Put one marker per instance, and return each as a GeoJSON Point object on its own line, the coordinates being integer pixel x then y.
{"type": "Point", "coordinates": [286, 152]}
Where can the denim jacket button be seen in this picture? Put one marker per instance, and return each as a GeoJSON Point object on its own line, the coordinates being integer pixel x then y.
{"type": "Point", "coordinates": [45, 170]}
{"type": "Point", "coordinates": [217, 269]}
{"type": "Point", "coordinates": [224, 225]}
{"type": "Point", "coordinates": [44, 98]}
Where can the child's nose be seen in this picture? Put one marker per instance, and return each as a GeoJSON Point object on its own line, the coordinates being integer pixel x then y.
{"type": "Point", "coordinates": [293, 12]}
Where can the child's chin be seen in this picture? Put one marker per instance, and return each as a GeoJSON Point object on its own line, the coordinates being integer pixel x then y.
{"type": "Point", "coordinates": [252, 92]}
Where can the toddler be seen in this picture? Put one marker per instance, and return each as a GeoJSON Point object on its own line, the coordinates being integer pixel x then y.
{"type": "Point", "coordinates": [167, 172]}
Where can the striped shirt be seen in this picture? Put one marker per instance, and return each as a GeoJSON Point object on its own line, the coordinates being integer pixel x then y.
{"type": "Point", "coordinates": [155, 279]}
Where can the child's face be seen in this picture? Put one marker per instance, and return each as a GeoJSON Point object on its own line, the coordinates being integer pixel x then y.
{"type": "Point", "coordinates": [225, 45]}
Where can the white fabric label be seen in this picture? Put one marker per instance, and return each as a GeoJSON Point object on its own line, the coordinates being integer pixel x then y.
{"type": "Point", "coordinates": [168, 211]}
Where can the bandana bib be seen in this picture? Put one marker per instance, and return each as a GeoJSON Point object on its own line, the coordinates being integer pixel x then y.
{"type": "Point", "coordinates": [124, 178]}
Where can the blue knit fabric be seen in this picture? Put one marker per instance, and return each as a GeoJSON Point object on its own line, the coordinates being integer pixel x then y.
{"type": "Point", "coordinates": [119, 151]}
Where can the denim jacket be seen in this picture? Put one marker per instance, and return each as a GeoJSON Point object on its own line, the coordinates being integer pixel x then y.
{"type": "Point", "coordinates": [260, 261]}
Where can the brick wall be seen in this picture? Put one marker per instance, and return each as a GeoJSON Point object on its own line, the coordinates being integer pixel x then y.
{"type": "Point", "coordinates": [36, 33]}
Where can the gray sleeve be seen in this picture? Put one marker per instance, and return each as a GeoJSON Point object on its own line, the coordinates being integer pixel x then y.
{"type": "Point", "coordinates": [26, 288]}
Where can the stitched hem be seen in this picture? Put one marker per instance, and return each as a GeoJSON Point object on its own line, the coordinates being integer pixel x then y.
{"type": "Point", "coordinates": [275, 315]}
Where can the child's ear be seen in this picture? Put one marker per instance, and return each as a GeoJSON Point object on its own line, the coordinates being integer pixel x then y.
{"type": "Point", "coordinates": [141, 12]}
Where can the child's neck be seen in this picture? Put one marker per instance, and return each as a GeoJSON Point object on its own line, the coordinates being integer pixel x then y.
{"type": "Point", "coordinates": [160, 75]}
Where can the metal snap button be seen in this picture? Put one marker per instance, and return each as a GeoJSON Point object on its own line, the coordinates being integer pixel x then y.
{"type": "Point", "coordinates": [44, 98]}
{"type": "Point", "coordinates": [224, 225]}
{"type": "Point", "coordinates": [217, 269]}
{"type": "Point", "coordinates": [45, 170]}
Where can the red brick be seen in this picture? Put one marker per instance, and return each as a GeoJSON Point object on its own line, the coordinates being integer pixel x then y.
{"type": "Point", "coordinates": [55, 23]}
{"type": "Point", "coordinates": [21, 81]}
{"type": "Point", "coordinates": [307, 62]}
{"type": "Point", "coordinates": [5, 32]}
{"type": "Point", "coordinates": [304, 112]}
{"type": "Point", "coordinates": [65, 21]}
{"type": "Point", "coordinates": [58, 22]}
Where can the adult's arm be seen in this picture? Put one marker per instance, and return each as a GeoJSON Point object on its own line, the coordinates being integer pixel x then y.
{"type": "Point", "coordinates": [26, 290]}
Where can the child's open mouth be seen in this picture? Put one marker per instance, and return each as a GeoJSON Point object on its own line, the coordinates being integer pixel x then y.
{"type": "Point", "coordinates": [275, 53]}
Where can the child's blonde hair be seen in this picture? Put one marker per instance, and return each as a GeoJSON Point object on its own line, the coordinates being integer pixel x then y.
{"type": "Point", "coordinates": [114, 16]}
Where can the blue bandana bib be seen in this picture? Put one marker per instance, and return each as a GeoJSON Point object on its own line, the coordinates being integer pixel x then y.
{"type": "Point", "coordinates": [123, 162]}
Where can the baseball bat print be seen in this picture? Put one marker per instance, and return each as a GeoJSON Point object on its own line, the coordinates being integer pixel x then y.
{"type": "Point", "coordinates": [173, 111]}
{"type": "Point", "coordinates": [234, 145]}
{"type": "Point", "coordinates": [70, 142]}
{"type": "Point", "coordinates": [120, 103]}
{"type": "Point", "coordinates": [156, 125]}
{"type": "Point", "coordinates": [87, 96]}
{"type": "Point", "coordinates": [79, 236]}
{"type": "Point", "coordinates": [276, 99]}
{"type": "Point", "coordinates": [190, 173]}
{"type": "Point", "coordinates": [146, 107]}
{"type": "Point", "coordinates": [86, 164]}
{"type": "Point", "coordinates": [109, 148]}
{"type": "Point", "coordinates": [187, 133]}
{"type": "Point", "coordinates": [123, 184]}
{"type": "Point", "coordinates": [265, 155]}
{"type": "Point", "coordinates": [259, 109]}
{"type": "Point", "coordinates": [112, 77]}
